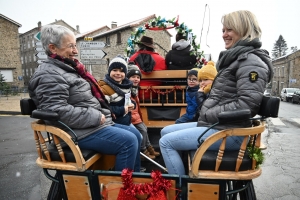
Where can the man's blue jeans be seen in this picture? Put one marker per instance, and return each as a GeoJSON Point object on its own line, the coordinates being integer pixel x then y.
{"type": "Point", "coordinates": [120, 140]}
{"type": "Point", "coordinates": [183, 137]}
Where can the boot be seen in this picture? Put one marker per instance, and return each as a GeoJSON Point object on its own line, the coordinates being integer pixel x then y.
{"type": "Point", "coordinates": [152, 151]}
{"type": "Point", "coordinates": [146, 152]}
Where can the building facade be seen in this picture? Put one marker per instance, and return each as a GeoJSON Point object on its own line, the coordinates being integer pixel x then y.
{"type": "Point", "coordinates": [286, 72]}
{"type": "Point", "coordinates": [116, 42]}
{"type": "Point", "coordinates": [10, 63]}
{"type": "Point", "coordinates": [28, 52]}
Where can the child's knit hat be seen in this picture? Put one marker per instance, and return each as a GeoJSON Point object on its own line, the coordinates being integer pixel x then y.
{"type": "Point", "coordinates": [208, 71]}
{"type": "Point", "coordinates": [193, 71]}
{"type": "Point", "coordinates": [117, 63]}
{"type": "Point", "coordinates": [133, 70]}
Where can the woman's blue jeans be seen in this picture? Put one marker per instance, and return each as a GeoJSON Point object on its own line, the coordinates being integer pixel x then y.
{"type": "Point", "coordinates": [183, 137]}
{"type": "Point", "coordinates": [120, 140]}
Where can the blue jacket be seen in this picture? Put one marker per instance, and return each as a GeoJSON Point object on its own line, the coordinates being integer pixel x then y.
{"type": "Point", "coordinates": [191, 100]}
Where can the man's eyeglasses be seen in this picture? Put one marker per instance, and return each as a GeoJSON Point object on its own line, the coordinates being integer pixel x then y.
{"type": "Point", "coordinates": [192, 80]}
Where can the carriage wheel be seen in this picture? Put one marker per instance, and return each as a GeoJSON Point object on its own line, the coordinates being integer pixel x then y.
{"type": "Point", "coordinates": [55, 191]}
{"type": "Point", "coordinates": [248, 193]}
{"type": "Point", "coordinates": [242, 190]}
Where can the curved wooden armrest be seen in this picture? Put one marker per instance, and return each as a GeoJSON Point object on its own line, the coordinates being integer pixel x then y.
{"type": "Point", "coordinates": [58, 135]}
{"type": "Point", "coordinates": [223, 135]}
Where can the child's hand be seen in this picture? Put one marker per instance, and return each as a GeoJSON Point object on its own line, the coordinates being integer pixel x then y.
{"type": "Point", "coordinates": [126, 110]}
{"type": "Point", "coordinates": [201, 89]}
{"type": "Point", "coordinates": [130, 107]}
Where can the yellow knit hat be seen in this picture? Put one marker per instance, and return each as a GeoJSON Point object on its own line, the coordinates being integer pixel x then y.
{"type": "Point", "coordinates": [208, 71]}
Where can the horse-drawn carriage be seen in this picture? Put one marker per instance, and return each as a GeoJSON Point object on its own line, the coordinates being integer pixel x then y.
{"type": "Point", "coordinates": [84, 174]}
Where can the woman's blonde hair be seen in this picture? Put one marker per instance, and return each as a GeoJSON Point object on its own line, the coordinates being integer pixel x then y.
{"type": "Point", "coordinates": [244, 23]}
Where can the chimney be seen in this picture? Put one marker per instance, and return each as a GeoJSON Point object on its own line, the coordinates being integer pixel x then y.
{"type": "Point", "coordinates": [77, 28]}
{"type": "Point", "coordinates": [113, 25]}
{"type": "Point", "coordinates": [39, 25]}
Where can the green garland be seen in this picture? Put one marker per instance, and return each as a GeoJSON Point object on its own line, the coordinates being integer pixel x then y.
{"type": "Point", "coordinates": [159, 23]}
{"type": "Point", "coordinates": [256, 154]}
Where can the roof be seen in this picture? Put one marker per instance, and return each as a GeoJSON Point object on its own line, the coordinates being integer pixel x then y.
{"type": "Point", "coordinates": [63, 22]}
{"type": "Point", "coordinates": [81, 35]}
{"type": "Point", "coordinates": [129, 25]}
{"type": "Point", "coordinates": [285, 56]}
{"type": "Point", "coordinates": [37, 28]}
{"type": "Point", "coordinates": [16, 23]}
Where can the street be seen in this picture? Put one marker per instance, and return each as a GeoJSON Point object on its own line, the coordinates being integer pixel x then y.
{"type": "Point", "coordinates": [21, 178]}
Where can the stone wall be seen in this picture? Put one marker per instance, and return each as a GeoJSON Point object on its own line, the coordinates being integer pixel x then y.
{"type": "Point", "coordinates": [9, 50]}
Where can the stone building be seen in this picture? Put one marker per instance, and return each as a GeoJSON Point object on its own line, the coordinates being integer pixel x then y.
{"type": "Point", "coordinates": [286, 72]}
{"type": "Point", "coordinates": [27, 48]}
{"type": "Point", "coordinates": [116, 42]}
{"type": "Point", "coordinates": [10, 63]}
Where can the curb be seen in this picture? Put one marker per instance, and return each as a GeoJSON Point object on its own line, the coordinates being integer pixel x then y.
{"type": "Point", "coordinates": [10, 113]}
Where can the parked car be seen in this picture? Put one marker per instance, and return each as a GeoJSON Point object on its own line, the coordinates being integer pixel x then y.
{"type": "Point", "coordinates": [267, 92]}
{"type": "Point", "coordinates": [296, 97]}
{"type": "Point", "coordinates": [286, 94]}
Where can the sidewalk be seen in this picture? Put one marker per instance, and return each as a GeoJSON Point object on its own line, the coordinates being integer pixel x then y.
{"type": "Point", "coordinates": [11, 104]}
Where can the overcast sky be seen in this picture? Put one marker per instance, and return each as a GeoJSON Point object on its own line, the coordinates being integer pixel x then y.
{"type": "Point", "coordinates": [275, 17]}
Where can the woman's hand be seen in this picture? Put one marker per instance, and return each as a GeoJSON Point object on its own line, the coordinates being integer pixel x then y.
{"type": "Point", "coordinates": [102, 119]}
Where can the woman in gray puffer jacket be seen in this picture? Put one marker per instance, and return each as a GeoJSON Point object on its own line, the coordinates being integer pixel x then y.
{"type": "Point", "coordinates": [62, 84]}
{"type": "Point", "coordinates": [243, 73]}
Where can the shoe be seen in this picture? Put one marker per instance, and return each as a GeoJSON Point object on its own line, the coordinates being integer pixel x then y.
{"type": "Point", "coordinates": [152, 151]}
{"type": "Point", "coordinates": [146, 152]}
{"type": "Point", "coordinates": [142, 169]}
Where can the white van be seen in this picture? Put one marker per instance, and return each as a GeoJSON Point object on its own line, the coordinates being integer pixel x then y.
{"type": "Point", "coordinates": [286, 93]}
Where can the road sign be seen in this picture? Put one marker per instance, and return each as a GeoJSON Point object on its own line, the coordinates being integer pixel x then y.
{"type": "Point", "coordinates": [40, 61]}
{"type": "Point", "coordinates": [91, 45]}
{"type": "Point", "coordinates": [93, 62]}
{"type": "Point", "coordinates": [92, 54]}
{"type": "Point", "coordinates": [37, 36]}
{"type": "Point", "coordinates": [38, 44]}
{"type": "Point", "coordinates": [39, 49]}
{"type": "Point", "coordinates": [41, 55]}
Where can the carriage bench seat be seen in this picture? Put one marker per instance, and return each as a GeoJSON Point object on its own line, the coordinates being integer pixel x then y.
{"type": "Point", "coordinates": [56, 148]}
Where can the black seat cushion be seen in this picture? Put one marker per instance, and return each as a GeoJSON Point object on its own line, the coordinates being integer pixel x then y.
{"type": "Point", "coordinates": [208, 161]}
{"type": "Point", "coordinates": [87, 154]}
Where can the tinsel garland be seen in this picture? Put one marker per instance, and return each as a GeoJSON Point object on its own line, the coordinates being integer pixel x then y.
{"type": "Point", "coordinates": [158, 91]}
{"type": "Point", "coordinates": [150, 191]}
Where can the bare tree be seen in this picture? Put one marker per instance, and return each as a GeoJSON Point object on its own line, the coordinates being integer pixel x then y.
{"type": "Point", "coordinates": [280, 47]}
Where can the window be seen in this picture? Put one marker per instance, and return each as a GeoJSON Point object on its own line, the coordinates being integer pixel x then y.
{"type": "Point", "coordinates": [22, 60]}
{"type": "Point", "coordinates": [107, 40]}
{"type": "Point", "coordinates": [8, 75]}
{"type": "Point", "coordinates": [119, 38]}
{"type": "Point", "coordinates": [278, 71]}
{"type": "Point", "coordinates": [283, 71]}
{"type": "Point", "coordinates": [26, 72]}
{"type": "Point", "coordinates": [275, 71]}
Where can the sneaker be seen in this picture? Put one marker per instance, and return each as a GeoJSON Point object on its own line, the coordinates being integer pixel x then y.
{"type": "Point", "coordinates": [142, 169]}
{"type": "Point", "coordinates": [152, 151]}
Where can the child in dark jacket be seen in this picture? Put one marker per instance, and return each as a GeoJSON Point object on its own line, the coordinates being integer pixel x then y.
{"type": "Point", "coordinates": [191, 96]}
{"type": "Point", "coordinates": [199, 85]}
{"type": "Point", "coordinates": [117, 89]}
{"type": "Point", "coordinates": [134, 75]}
